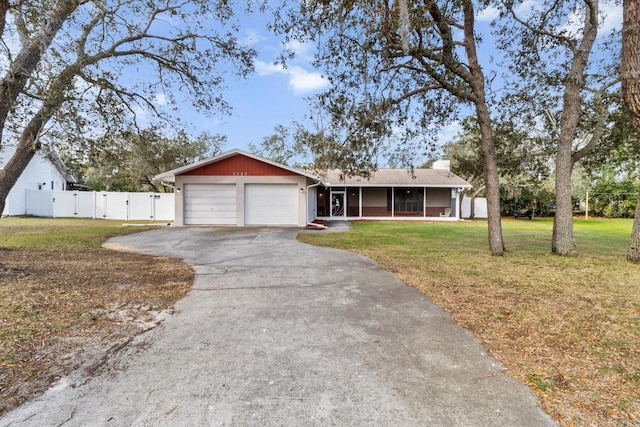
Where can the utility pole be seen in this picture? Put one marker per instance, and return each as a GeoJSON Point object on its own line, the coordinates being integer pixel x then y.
{"type": "Point", "coordinates": [586, 206]}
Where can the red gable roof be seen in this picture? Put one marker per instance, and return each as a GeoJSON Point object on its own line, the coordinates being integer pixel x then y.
{"type": "Point", "coordinates": [239, 164]}
{"type": "Point", "coordinates": [234, 163]}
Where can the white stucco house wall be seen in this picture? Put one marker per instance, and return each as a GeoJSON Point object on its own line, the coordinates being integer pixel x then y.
{"type": "Point", "coordinates": [45, 172]}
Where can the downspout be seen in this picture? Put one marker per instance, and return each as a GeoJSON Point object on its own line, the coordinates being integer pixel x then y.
{"type": "Point", "coordinates": [307, 214]}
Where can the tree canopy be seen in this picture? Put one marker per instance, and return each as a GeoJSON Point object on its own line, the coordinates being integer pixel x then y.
{"type": "Point", "coordinates": [561, 69]}
{"type": "Point", "coordinates": [76, 69]}
{"type": "Point", "coordinates": [629, 72]}
{"type": "Point", "coordinates": [397, 71]}
{"type": "Point", "coordinates": [400, 69]}
{"type": "Point", "coordinates": [128, 161]}
{"type": "Point", "coordinates": [281, 147]}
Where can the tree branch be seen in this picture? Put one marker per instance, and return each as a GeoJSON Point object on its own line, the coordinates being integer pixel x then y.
{"type": "Point", "coordinates": [4, 8]}
{"type": "Point", "coordinates": [568, 41]}
{"type": "Point", "coordinates": [598, 129]}
{"type": "Point", "coordinates": [14, 82]}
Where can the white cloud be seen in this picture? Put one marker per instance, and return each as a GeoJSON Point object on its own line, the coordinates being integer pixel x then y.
{"type": "Point", "coordinates": [449, 132]}
{"type": "Point", "coordinates": [302, 50]}
{"type": "Point", "coordinates": [161, 99]}
{"type": "Point", "coordinates": [140, 112]}
{"type": "Point", "coordinates": [252, 37]}
{"type": "Point", "coordinates": [304, 81]}
{"type": "Point", "coordinates": [524, 8]}
{"type": "Point", "coordinates": [265, 68]}
{"type": "Point", "coordinates": [301, 81]}
{"type": "Point", "coordinates": [487, 14]}
{"type": "Point", "coordinates": [612, 17]}
{"type": "Point", "coordinates": [611, 13]}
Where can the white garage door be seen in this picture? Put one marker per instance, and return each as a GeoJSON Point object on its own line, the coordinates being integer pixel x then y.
{"type": "Point", "coordinates": [210, 204]}
{"type": "Point", "coordinates": [271, 204]}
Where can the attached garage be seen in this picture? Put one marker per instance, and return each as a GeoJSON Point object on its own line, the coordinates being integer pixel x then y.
{"type": "Point", "coordinates": [210, 204]}
{"type": "Point", "coordinates": [271, 204]}
{"type": "Point", "coordinates": [241, 189]}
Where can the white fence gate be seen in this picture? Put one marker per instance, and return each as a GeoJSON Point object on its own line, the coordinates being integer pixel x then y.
{"type": "Point", "coordinates": [102, 205]}
{"type": "Point", "coordinates": [480, 207]}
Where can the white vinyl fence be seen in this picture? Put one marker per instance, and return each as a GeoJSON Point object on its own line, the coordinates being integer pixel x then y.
{"type": "Point", "coordinates": [101, 205]}
{"type": "Point", "coordinates": [480, 207]}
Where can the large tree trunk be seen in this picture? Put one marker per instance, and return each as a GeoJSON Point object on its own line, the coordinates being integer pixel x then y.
{"type": "Point", "coordinates": [491, 181]}
{"type": "Point", "coordinates": [12, 85]}
{"type": "Point", "coordinates": [562, 240]}
{"type": "Point", "coordinates": [26, 61]}
{"type": "Point", "coordinates": [26, 149]}
{"type": "Point", "coordinates": [491, 178]}
{"type": "Point", "coordinates": [633, 253]}
{"type": "Point", "coordinates": [630, 76]}
{"type": "Point", "coordinates": [29, 142]}
{"type": "Point", "coordinates": [472, 207]}
{"type": "Point", "coordinates": [4, 8]}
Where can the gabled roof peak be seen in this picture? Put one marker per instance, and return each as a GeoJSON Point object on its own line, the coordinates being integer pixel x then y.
{"type": "Point", "coordinates": [170, 175]}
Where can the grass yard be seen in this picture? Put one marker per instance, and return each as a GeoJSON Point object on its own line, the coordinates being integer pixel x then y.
{"type": "Point", "coordinates": [63, 298]}
{"type": "Point", "coordinates": [567, 326]}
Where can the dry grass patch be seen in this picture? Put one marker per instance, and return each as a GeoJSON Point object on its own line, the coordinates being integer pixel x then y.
{"type": "Point", "coordinates": [568, 327]}
{"type": "Point", "coordinates": [63, 298]}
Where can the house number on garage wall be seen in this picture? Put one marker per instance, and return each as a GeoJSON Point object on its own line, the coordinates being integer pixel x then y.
{"type": "Point", "coordinates": [239, 174]}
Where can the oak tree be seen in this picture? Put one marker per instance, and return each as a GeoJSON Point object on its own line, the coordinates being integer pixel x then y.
{"type": "Point", "coordinates": [630, 76]}
{"type": "Point", "coordinates": [562, 68]}
{"type": "Point", "coordinates": [77, 68]}
{"type": "Point", "coordinates": [129, 160]}
{"type": "Point", "coordinates": [281, 147]}
{"type": "Point", "coordinates": [398, 70]}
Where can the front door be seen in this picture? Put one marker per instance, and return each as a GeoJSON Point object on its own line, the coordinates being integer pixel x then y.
{"type": "Point", "coordinates": [338, 208]}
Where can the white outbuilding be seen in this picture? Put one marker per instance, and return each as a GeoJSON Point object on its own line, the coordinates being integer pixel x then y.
{"type": "Point", "coordinates": [45, 171]}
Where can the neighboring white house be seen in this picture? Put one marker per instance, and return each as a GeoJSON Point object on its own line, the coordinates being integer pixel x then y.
{"type": "Point", "coordinates": [45, 172]}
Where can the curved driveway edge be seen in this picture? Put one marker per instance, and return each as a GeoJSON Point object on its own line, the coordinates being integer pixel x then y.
{"type": "Point", "coordinates": [275, 332]}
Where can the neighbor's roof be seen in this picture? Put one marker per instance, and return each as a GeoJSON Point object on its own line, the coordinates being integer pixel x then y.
{"type": "Point", "coordinates": [55, 159]}
{"type": "Point", "coordinates": [7, 151]}
{"type": "Point", "coordinates": [398, 177]}
{"type": "Point", "coordinates": [170, 176]}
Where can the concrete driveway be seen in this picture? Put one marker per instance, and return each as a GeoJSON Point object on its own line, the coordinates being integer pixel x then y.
{"type": "Point", "coordinates": [277, 333]}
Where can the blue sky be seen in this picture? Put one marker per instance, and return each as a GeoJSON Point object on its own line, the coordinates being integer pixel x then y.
{"type": "Point", "coordinates": [274, 95]}
{"type": "Point", "coordinates": [270, 96]}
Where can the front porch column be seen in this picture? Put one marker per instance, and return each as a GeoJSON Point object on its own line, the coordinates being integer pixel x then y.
{"type": "Point", "coordinates": [424, 202]}
{"type": "Point", "coordinates": [393, 201]}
